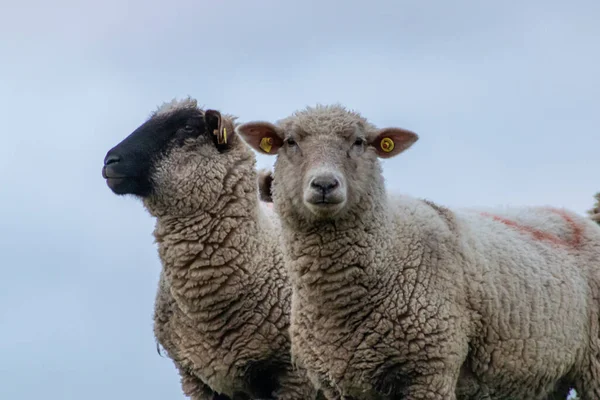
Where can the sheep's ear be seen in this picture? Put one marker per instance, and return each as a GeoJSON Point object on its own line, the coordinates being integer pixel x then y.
{"type": "Point", "coordinates": [265, 182]}
{"type": "Point", "coordinates": [221, 128]}
{"type": "Point", "coordinates": [263, 137]}
{"type": "Point", "coordinates": [390, 142]}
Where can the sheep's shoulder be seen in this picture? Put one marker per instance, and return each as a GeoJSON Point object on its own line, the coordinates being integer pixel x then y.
{"type": "Point", "coordinates": [415, 217]}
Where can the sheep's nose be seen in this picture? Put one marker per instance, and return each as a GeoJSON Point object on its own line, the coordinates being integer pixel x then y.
{"type": "Point", "coordinates": [325, 184]}
{"type": "Point", "coordinates": [111, 159]}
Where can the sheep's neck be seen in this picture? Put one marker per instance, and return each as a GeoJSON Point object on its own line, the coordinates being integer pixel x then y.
{"type": "Point", "coordinates": [346, 272]}
{"type": "Point", "coordinates": [208, 258]}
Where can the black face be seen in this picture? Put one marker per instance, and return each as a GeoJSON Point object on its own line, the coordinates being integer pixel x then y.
{"type": "Point", "coordinates": [129, 165]}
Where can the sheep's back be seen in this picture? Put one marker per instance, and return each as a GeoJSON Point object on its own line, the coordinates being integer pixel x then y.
{"type": "Point", "coordinates": [531, 283]}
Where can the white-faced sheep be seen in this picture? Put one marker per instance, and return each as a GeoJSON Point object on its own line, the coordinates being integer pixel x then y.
{"type": "Point", "coordinates": [223, 304]}
{"type": "Point", "coordinates": [396, 297]}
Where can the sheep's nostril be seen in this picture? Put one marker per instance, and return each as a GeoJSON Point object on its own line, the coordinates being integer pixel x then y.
{"type": "Point", "coordinates": [111, 159]}
{"type": "Point", "coordinates": [325, 184]}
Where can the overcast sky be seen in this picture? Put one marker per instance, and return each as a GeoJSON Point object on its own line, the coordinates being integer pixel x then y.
{"type": "Point", "coordinates": [505, 99]}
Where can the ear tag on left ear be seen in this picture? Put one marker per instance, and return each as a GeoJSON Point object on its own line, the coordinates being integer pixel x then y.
{"type": "Point", "coordinates": [221, 133]}
{"type": "Point", "coordinates": [266, 144]}
{"type": "Point", "coordinates": [387, 144]}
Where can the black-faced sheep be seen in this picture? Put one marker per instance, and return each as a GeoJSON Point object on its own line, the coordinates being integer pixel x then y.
{"type": "Point", "coordinates": [396, 297]}
{"type": "Point", "coordinates": [223, 304]}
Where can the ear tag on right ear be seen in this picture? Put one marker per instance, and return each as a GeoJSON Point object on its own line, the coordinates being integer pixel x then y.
{"type": "Point", "coordinates": [266, 144]}
{"type": "Point", "coordinates": [387, 144]}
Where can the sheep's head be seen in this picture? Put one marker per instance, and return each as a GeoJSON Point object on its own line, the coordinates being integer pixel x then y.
{"type": "Point", "coordinates": [327, 159]}
{"type": "Point", "coordinates": [595, 212]}
{"type": "Point", "coordinates": [171, 156]}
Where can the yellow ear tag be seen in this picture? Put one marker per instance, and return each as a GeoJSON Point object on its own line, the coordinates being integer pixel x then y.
{"type": "Point", "coordinates": [224, 135]}
{"type": "Point", "coordinates": [266, 144]}
{"type": "Point", "coordinates": [387, 144]}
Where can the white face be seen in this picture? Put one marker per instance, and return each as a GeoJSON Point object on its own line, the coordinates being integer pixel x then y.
{"type": "Point", "coordinates": [325, 170]}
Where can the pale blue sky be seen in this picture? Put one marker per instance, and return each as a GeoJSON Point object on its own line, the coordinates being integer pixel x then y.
{"type": "Point", "coordinates": [505, 98]}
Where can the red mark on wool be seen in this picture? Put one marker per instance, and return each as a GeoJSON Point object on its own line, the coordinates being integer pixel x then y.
{"type": "Point", "coordinates": [269, 205]}
{"type": "Point", "coordinates": [541, 235]}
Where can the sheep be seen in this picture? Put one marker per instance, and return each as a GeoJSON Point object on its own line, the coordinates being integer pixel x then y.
{"type": "Point", "coordinates": [594, 212]}
{"type": "Point", "coordinates": [222, 307]}
{"type": "Point", "coordinates": [265, 181]}
{"type": "Point", "coordinates": [396, 297]}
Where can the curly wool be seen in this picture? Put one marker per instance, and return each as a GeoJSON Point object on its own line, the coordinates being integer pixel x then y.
{"type": "Point", "coordinates": [401, 298]}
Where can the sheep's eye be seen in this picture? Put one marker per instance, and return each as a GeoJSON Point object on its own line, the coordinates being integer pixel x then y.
{"type": "Point", "coordinates": [290, 142]}
{"type": "Point", "coordinates": [188, 128]}
{"type": "Point", "coordinates": [359, 142]}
